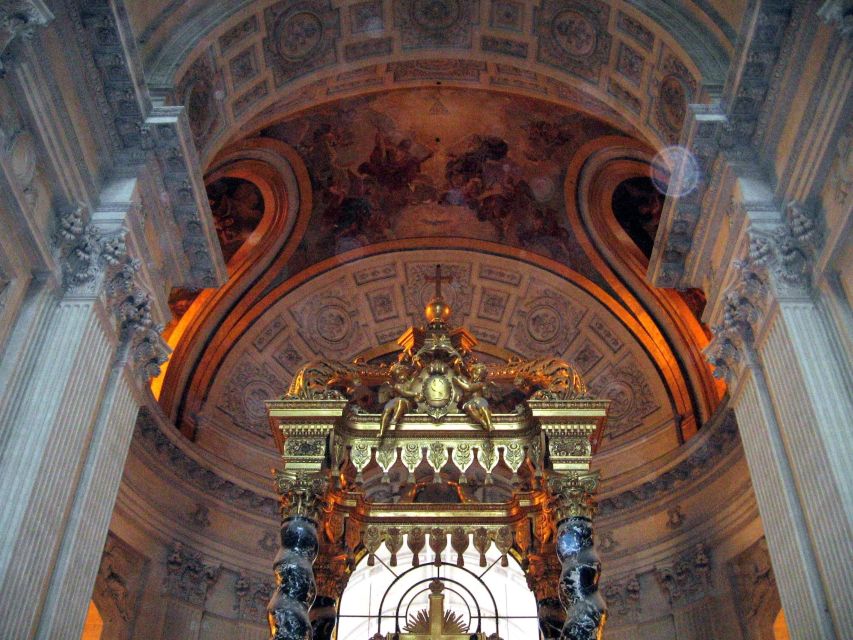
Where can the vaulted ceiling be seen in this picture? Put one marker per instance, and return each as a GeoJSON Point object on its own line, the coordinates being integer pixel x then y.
{"type": "Point", "coordinates": [350, 146]}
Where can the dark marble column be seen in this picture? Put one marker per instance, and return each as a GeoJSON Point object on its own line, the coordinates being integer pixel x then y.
{"type": "Point", "coordinates": [295, 587]}
{"type": "Point", "coordinates": [581, 568]}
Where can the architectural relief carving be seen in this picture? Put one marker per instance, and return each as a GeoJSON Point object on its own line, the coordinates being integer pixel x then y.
{"type": "Point", "coordinates": [722, 440]}
{"type": "Point", "coordinates": [96, 261]}
{"type": "Point", "coordinates": [755, 583]}
{"type": "Point", "coordinates": [507, 14]}
{"type": "Point", "coordinates": [780, 258]}
{"type": "Point", "coordinates": [329, 322]}
{"type": "Point", "coordinates": [202, 92]}
{"type": "Point", "coordinates": [200, 517]}
{"type": "Point", "coordinates": [119, 582]}
{"type": "Point", "coordinates": [574, 36]}
{"type": "Point", "coordinates": [631, 394]}
{"type": "Point", "coordinates": [251, 594]}
{"type": "Point", "coordinates": [546, 324]}
{"type": "Point", "coordinates": [248, 387]}
{"type": "Point", "coordinates": [688, 578]}
{"type": "Point", "coordinates": [623, 598]}
{"type": "Point", "coordinates": [188, 577]}
{"type": "Point", "coordinates": [674, 517]}
{"type": "Point", "coordinates": [19, 19]}
{"type": "Point", "coordinates": [367, 17]}
{"type": "Point", "coordinates": [436, 23]}
{"type": "Point", "coordinates": [713, 131]}
{"type": "Point", "coordinates": [301, 37]}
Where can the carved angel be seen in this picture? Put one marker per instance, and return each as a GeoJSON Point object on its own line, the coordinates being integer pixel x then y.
{"type": "Point", "coordinates": [476, 406]}
{"type": "Point", "coordinates": [403, 397]}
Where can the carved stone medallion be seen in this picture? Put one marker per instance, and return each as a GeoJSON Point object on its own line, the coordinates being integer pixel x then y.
{"type": "Point", "coordinates": [574, 33]}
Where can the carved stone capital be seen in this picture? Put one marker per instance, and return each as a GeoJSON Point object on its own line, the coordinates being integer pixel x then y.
{"type": "Point", "coordinates": [786, 251]}
{"type": "Point", "coordinates": [302, 493]}
{"type": "Point", "coordinates": [623, 598]}
{"type": "Point", "coordinates": [572, 494]}
{"type": "Point", "coordinates": [95, 262]}
{"type": "Point", "coordinates": [251, 595]}
{"type": "Point", "coordinates": [18, 19]}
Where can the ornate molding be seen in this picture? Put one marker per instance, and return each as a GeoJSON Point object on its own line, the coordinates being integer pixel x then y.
{"type": "Point", "coordinates": [19, 19]}
{"type": "Point", "coordinates": [722, 440]}
{"type": "Point", "coordinates": [139, 130]}
{"type": "Point", "coordinates": [730, 129]}
{"type": "Point", "coordinates": [198, 476]}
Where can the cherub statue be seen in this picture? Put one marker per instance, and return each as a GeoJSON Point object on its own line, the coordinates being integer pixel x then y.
{"type": "Point", "coordinates": [403, 398]}
{"type": "Point", "coordinates": [476, 406]}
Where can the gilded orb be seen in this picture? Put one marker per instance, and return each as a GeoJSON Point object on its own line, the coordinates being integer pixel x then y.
{"type": "Point", "coordinates": [437, 311]}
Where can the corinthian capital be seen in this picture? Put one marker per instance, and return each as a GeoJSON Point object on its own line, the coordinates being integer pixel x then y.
{"type": "Point", "coordinates": [572, 493]}
{"type": "Point", "coordinates": [302, 493]}
{"type": "Point", "coordinates": [18, 19]}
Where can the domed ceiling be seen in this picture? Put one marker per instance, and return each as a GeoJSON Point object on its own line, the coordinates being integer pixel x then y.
{"type": "Point", "coordinates": [331, 219]}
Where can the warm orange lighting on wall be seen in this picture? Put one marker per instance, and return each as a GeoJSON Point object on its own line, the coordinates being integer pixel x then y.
{"type": "Point", "coordinates": [94, 626]}
{"type": "Point", "coordinates": [780, 627]}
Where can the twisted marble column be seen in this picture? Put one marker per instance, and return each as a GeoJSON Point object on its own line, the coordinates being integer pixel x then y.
{"type": "Point", "coordinates": [581, 568]}
{"type": "Point", "coordinates": [585, 608]}
{"type": "Point", "coordinates": [295, 587]}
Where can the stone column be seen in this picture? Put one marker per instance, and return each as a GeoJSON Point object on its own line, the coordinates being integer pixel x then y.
{"type": "Point", "coordinates": [581, 568]}
{"type": "Point", "coordinates": [296, 588]}
{"type": "Point", "coordinates": [791, 389]}
{"type": "Point", "coordinates": [68, 410]}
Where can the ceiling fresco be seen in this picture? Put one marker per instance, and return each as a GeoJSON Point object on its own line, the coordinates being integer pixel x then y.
{"type": "Point", "coordinates": [438, 163]}
{"type": "Point", "coordinates": [392, 177]}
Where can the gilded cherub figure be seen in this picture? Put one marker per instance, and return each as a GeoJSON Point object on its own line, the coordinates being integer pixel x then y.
{"type": "Point", "coordinates": [476, 406]}
{"type": "Point", "coordinates": [403, 398]}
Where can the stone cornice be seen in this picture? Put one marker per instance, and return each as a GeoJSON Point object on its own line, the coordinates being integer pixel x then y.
{"type": "Point", "coordinates": [200, 477]}
{"type": "Point", "coordinates": [727, 128]}
{"type": "Point", "coordinates": [140, 129]}
{"type": "Point", "coordinates": [722, 438]}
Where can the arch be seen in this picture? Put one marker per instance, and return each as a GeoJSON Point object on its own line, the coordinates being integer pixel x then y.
{"type": "Point", "coordinates": [283, 180]}
{"type": "Point", "coordinates": [597, 169]}
{"type": "Point", "coordinates": [679, 40]}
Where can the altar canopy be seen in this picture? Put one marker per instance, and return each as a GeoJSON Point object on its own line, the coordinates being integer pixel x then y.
{"type": "Point", "coordinates": [439, 469]}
